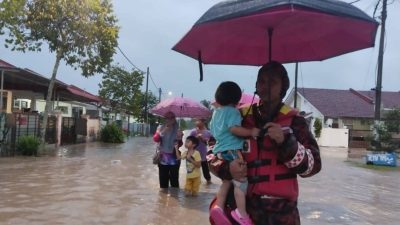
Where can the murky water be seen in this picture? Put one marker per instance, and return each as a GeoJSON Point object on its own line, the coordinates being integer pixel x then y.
{"type": "Point", "coordinates": [117, 184]}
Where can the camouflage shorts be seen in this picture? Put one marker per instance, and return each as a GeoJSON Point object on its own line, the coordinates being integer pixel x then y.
{"type": "Point", "coordinates": [273, 211]}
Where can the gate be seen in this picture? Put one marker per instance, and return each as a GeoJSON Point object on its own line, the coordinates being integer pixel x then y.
{"type": "Point", "coordinates": [68, 131]}
{"type": "Point", "coordinates": [22, 124]}
{"type": "Point", "coordinates": [71, 127]}
{"type": "Point", "coordinates": [359, 138]}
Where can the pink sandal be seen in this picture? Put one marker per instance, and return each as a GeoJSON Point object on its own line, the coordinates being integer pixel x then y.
{"type": "Point", "coordinates": [218, 216]}
{"type": "Point", "coordinates": [242, 220]}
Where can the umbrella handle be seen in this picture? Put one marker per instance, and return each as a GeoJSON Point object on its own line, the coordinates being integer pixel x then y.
{"type": "Point", "coordinates": [200, 66]}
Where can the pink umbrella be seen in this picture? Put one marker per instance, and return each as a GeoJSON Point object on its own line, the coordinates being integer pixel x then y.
{"type": "Point", "coordinates": [247, 99]}
{"type": "Point", "coordinates": [181, 107]}
{"type": "Point", "coordinates": [254, 32]}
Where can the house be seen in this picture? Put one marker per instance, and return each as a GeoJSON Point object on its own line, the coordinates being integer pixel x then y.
{"type": "Point", "coordinates": [23, 93]}
{"type": "Point", "coordinates": [344, 109]}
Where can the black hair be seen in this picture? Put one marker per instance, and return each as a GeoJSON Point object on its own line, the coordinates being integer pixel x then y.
{"type": "Point", "coordinates": [211, 139]}
{"type": "Point", "coordinates": [194, 140]}
{"type": "Point", "coordinates": [227, 93]}
{"type": "Point", "coordinates": [275, 68]}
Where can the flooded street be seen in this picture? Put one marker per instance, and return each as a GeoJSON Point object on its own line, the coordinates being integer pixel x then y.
{"type": "Point", "coordinates": [99, 183]}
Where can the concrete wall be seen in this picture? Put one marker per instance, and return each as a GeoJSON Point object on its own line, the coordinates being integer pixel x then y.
{"type": "Point", "coordinates": [93, 128]}
{"type": "Point", "coordinates": [334, 137]}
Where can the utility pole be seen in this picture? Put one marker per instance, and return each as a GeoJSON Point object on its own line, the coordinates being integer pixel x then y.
{"type": "Point", "coordinates": [378, 89]}
{"type": "Point", "coordinates": [146, 103]}
{"type": "Point", "coordinates": [159, 94]}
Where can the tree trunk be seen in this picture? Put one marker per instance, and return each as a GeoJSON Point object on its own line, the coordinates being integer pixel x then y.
{"type": "Point", "coordinates": [48, 100]}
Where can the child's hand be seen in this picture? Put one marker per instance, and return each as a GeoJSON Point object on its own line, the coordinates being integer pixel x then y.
{"type": "Point", "coordinates": [255, 132]}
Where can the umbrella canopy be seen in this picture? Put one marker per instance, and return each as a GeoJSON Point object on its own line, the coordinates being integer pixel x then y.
{"type": "Point", "coordinates": [248, 99]}
{"type": "Point", "coordinates": [181, 107]}
{"type": "Point", "coordinates": [254, 32]}
{"type": "Point", "coordinates": [245, 100]}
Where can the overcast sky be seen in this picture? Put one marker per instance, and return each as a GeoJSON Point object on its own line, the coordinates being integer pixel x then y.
{"type": "Point", "coordinates": [149, 29]}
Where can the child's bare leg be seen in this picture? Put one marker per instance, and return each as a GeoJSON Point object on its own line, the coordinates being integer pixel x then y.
{"type": "Point", "coordinates": [238, 170]}
{"type": "Point", "coordinates": [240, 189]}
{"type": "Point", "coordinates": [222, 193]}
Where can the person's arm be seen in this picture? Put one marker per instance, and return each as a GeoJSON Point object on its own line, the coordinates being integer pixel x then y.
{"type": "Point", "coordinates": [244, 132]}
{"type": "Point", "coordinates": [298, 149]}
{"type": "Point", "coordinates": [195, 159]}
{"type": "Point", "coordinates": [234, 121]}
{"type": "Point", "coordinates": [157, 136]}
{"type": "Point", "coordinates": [178, 139]}
{"type": "Point", "coordinates": [178, 153]}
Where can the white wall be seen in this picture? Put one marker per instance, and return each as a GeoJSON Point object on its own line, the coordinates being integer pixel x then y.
{"type": "Point", "coordinates": [40, 106]}
{"type": "Point", "coordinates": [334, 137]}
{"type": "Point", "coordinates": [306, 106]}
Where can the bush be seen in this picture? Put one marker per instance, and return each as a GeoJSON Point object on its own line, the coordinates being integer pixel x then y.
{"type": "Point", "coordinates": [385, 141]}
{"type": "Point", "coordinates": [112, 133]}
{"type": "Point", "coordinates": [317, 127]}
{"type": "Point", "coordinates": [28, 145]}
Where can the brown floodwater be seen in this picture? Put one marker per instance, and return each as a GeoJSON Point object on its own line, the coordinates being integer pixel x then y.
{"type": "Point", "coordinates": [98, 183]}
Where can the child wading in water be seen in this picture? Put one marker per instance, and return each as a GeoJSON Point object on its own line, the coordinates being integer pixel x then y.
{"type": "Point", "coordinates": [193, 164]}
{"type": "Point", "coordinates": [226, 128]}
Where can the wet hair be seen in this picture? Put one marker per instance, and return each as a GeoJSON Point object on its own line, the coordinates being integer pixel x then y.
{"type": "Point", "coordinates": [227, 93]}
{"type": "Point", "coordinates": [194, 140]}
{"type": "Point", "coordinates": [275, 68]}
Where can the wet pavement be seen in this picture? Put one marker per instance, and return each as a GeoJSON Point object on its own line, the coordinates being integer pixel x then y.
{"type": "Point", "coordinates": [98, 183]}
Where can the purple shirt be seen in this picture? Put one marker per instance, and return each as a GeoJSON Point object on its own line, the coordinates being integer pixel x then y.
{"type": "Point", "coordinates": [202, 148]}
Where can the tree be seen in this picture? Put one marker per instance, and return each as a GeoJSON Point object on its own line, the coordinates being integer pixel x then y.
{"type": "Point", "coordinates": [152, 101]}
{"type": "Point", "coordinates": [317, 127]}
{"type": "Point", "coordinates": [122, 88]}
{"type": "Point", "coordinates": [392, 120]}
{"type": "Point", "coordinates": [82, 33]}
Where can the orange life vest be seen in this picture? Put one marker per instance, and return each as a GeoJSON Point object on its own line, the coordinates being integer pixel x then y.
{"type": "Point", "coordinates": [268, 176]}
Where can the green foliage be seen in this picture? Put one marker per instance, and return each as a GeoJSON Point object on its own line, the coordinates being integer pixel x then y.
{"type": "Point", "coordinates": [112, 133]}
{"type": "Point", "coordinates": [317, 127]}
{"type": "Point", "coordinates": [83, 33]}
{"type": "Point", "coordinates": [384, 140]}
{"type": "Point", "coordinates": [183, 124]}
{"type": "Point", "coordinates": [28, 145]}
{"type": "Point", "coordinates": [152, 101]}
{"type": "Point", "coordinates": [122, 88]}
{"type": "Point", "coordinates": [392, 120]}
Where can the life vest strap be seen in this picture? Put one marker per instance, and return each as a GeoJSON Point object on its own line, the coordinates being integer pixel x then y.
{"type": "Point", "coordinates": [257, 179]}
{"type": "Point", "coordinates": [258, 163]}
{"type": "Point", "coordinates": [285, 176]}
{"type": "Point", "coordinates": [265, 178]}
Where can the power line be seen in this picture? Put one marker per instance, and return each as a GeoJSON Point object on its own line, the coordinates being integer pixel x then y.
{"type": "Point", "coordinates": [126, 57]}
{"type": "Point", "coordinates": [151, 78]}
{"type": "Point", "coordinates": [137, 68]}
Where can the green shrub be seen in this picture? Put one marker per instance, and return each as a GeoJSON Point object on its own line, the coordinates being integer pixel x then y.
{"type": "Point", "coordinates": [112, 133]}
{"type": "Point", "coordinates": [384, 140]}
{"type": "Point", "coordinates": [28, 145]}
{"type": "Point", "coordinates": [317, 127]}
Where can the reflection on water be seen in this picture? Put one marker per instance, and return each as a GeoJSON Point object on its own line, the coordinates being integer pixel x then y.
{"type": "Point", "coordinates": [99, 183]}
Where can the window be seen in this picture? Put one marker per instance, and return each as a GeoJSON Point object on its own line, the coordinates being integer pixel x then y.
{"type": "Point", "coordinates": [63, 109]}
